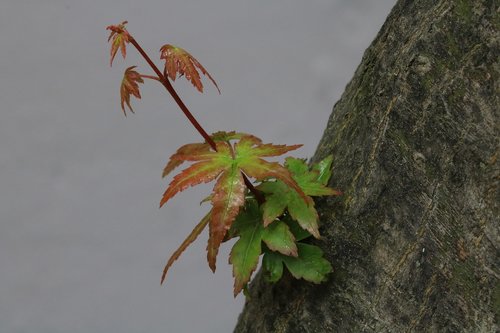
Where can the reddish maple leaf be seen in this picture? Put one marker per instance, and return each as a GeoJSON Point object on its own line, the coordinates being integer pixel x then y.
{"type": "Point", "coordinates": [179, 157]}
{"type": "Point", "coordinates": [179, 61]}
{"type": "Point", "coordinates": [191, 238]}
{"type": "Point", "coordinates": [130, 86]}
{"type": "Point", "coordinates": [118, 37]}
{"type": "Point", "coordinates": [226, 165]}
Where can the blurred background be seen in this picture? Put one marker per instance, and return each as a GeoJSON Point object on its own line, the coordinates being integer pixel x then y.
{"type": "Point", "coordinates": [82, 241]}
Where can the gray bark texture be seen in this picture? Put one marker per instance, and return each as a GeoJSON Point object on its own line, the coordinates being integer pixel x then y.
{"type": "Point", "coordinates": [414, 239]}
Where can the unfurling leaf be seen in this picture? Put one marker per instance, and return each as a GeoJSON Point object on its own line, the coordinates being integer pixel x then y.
{"type": "Point", "coordinates": [179, 62]}
{"type": "Point", "coordinates": [130, 86]}
{"type": "Point", "coordinates": [191, 238]}
{"type": "Point", "coordinates": [118, 37]}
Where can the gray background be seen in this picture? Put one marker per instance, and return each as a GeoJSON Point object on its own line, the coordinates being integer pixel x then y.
{"type": "Point", "coordinates": [82, 241]}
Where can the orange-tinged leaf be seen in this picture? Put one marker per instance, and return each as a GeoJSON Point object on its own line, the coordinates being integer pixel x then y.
{"type": "Point", "coordinates": [180, 155]}
{"type": "Point", "coordinates": [130, 86]}
{"type": "Point", "coordinates": [228, 136]}
{"type": "Point", "coordinates": [118, 37]}
{"type": "Point", "coordinates": [179, 62]}
{"type": "Point", "coordinates": [254, 147]}
{"type": "Point", "coordinates": [261, 169]}
{"type": "Point", "coordinates": [191, 238]}
{"type": "Point", "coordinates": [226, 165]}
{"type": "Point", "coordinates": [247, 143]}
{"type": "Point", "coordinates": [249, 149]}
{"type": "Point", "coordinates": [227, 199]}
{"type": "Point", "coordinates": [195, 152]}
{"type": "Point", "coordinates": [201, 172]}
{"type": "Point", "coordinates": [273, 150]}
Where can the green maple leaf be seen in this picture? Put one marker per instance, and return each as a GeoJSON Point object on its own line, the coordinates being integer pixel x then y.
{"type": "Point", "coordinates": [298, 232]}
{"type": "Point", "coordinates": [323, 169]}
{"type": "Point", "coordinates": [308, 265]}
{"type": "Point", "coordinates": [312, 182]}
{"type": "Point", "coordinates": [246, 251]}
{"type": "Point", "coordinates": [226, 166]}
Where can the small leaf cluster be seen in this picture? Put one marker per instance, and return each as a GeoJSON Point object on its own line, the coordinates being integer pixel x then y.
{"type": "Point", "coordinates": [272, 217]}
{"type": "Point", "coordinates": [274, 228]}
{"type": "Point", "coordinates": [280, 238]}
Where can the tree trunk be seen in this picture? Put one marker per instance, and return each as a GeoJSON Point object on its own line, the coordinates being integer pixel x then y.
{"type": "Point", "coordinates": [414, 238]}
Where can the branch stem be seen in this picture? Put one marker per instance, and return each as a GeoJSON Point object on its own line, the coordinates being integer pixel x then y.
{"type": "Point", "coordinates": [151, 77]}
{"type": "Point", "coordinates": [166, 83]}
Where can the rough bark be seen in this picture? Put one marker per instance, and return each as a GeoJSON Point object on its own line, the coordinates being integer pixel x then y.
{"type": "Point", "coordinates": [414, 239]}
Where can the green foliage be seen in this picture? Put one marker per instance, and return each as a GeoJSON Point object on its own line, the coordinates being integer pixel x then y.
{"type": "Point", "coordinates": [226, 165]}
{"type": "Point", "coordinates": [308, 265]}
{"type": "Point", "coordinates": [283, 230]}
{"type": "Point", "coordinates": [246, 251]}
{"type": "Point", "coordinates": [272, 218]}
{"type": "Point", "coordinates": [279, 197]}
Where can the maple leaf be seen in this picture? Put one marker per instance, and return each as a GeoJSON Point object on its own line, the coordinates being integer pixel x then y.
{"type": "Point", "coordinates": [246, 251]}
{"type": "Point", "coordinates": [228, 136]}
{"type": "Point", "coordinates": [130, 86]}
{"type": "Point", "coordinates": [308, 265]}
{"type": "Point", "coordinates": [191, 238]}
{"type": "Point", "coordinates": [226, 165]}
{"type": "Point", "coordinates": [298, 232]}
{"type": "Point", "coordinates": [199, 148]}
{"type": "Point", "coordinates": [179, 62]}
{"type": "Point", "coordinates": [182, 153]}
{"type": "Point", "coordinates": [323, 170]}
{"type": "Point", "coordinates": [228, 197]}
{"type": "Point", "coordinates": [118, 37]}
{"type": "Point", "coordinates": [279, 196]}
{"type": "Point", "coordinates": [312, 181]}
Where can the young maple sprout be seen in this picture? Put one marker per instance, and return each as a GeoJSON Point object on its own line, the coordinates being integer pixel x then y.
{"type": "Point", "coordinates": [272, 218]}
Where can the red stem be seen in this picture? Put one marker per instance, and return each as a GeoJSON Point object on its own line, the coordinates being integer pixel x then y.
{"type": "Point", "coordinates": [166, 83]}
{"type": "Point", "coordinates": [151, 77]}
